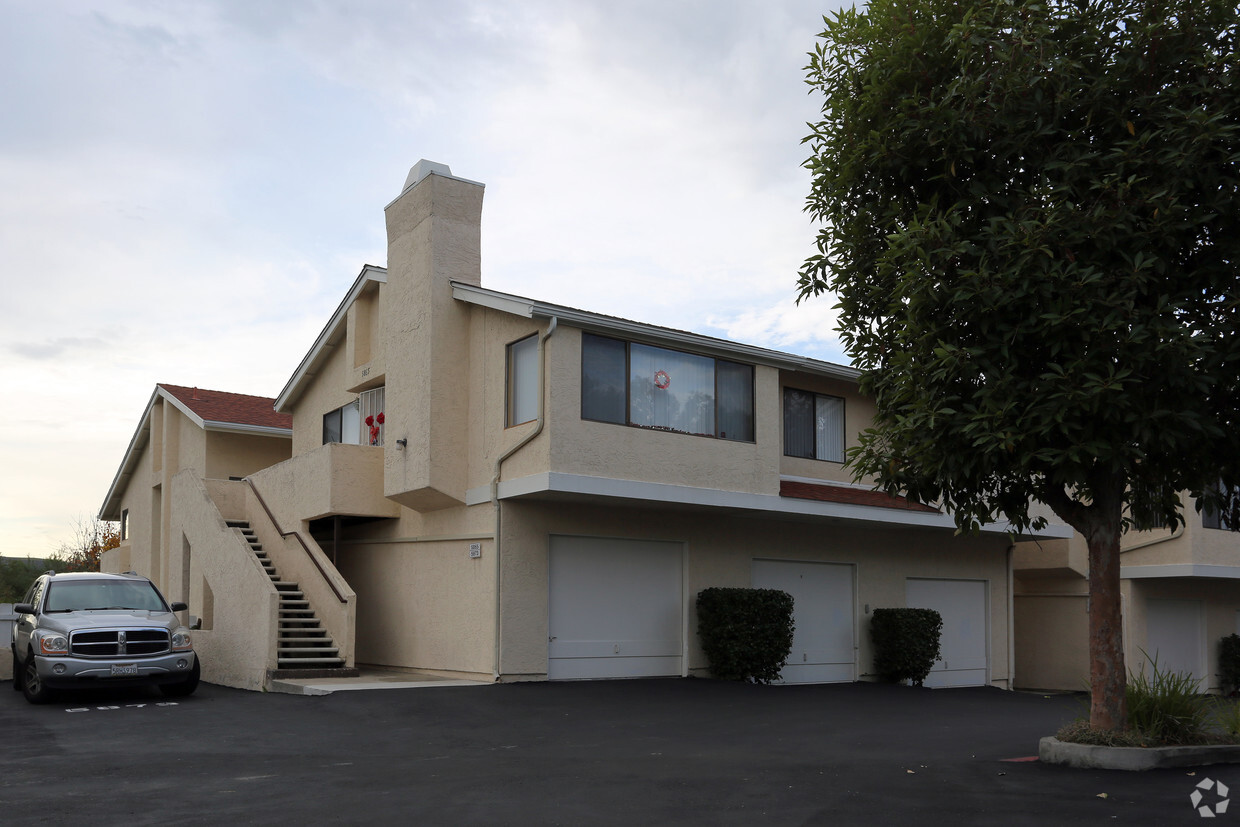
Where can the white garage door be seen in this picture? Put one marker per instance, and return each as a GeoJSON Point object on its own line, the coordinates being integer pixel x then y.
{"type": "Point", "coordinates": [615, 608]}
{"type": "Point", "coordinates": [823, 610]}
{"type": "Point", "coordinates": [964, 649]}
{"type": "Point", "coordinates": [1174, 635]}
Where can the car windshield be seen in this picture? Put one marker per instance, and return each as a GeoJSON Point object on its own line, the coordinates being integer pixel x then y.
{"type": "Point", "coordinates": [75, 595]}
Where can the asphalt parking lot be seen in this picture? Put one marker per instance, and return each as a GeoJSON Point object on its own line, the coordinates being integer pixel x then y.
{"type": "Point", "coordinates": [616, 752]}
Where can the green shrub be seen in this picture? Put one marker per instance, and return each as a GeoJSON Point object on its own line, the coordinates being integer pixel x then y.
{"type": "Point", "coordinates": [906, 643]}
{"type": "Point", "coordinates": [1165, 707]}
{"type": "Point", "coordinates": [745, 633]}
{"type": "Point", "coordinates": [1229, 663]}
{"type": "Point", "coordinates": [1227, 716]}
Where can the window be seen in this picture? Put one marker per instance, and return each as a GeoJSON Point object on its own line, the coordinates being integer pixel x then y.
{"type": "Point", "coordinates": [813, 425]}
{"type": "Point", "coordinates": [522, 381]}
{"type": "Point", "coordinates": [667, 390]}
{"type": "Point", "coordinates": [371, 404]}
{"type": "Point", "coordinates": [1212, 518]}
{"type": "Point", "coordinates": [124, 524]}
{"type": "Point", "coordinates": [343, 425]}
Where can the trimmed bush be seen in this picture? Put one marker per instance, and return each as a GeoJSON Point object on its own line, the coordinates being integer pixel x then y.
{"type": "Point", "coordinates": [1229, 663]}
{"type": "Point", "coordinates": [906, 643]}
{"type": "Point", "coordinates": [745, 633]}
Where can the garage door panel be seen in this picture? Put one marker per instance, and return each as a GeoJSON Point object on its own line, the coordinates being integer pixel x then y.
{"type": "Point", "coordinates": [569, 669]}
{"type": "Point", "coordinates": [964, 656]}
{"type": "Point", "coordinates": [608, 648]}
{"type": "Point", "coordinates": [823, 643]}
{"type": "Point", "coordinates": [1175, 636]}
{"type": "Point", "coordinates": [615, 608]}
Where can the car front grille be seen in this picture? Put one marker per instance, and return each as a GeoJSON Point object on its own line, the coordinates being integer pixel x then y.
{"type": "Point", "coordinates": [119, 643]}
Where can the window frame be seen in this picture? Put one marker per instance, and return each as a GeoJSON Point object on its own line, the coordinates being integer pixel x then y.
{"type": "Point", "coordinates": [338, 414]}
{"type": "Point", "coordinates": [628, 422]}
{"type": "Point", "coordinates": [814, 397]}
{"type": "Point", "coordinates": [511, 365]}
{"type": "Point", "coordinates": [124, 527]}
{"type": "Point", "coordinates": [1212, 519]}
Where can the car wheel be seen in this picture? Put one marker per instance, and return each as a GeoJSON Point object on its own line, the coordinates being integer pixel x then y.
{"type": "Point", "coordinates": [185, 687]}
{"type": "Point", "coordinates": [33, 687]}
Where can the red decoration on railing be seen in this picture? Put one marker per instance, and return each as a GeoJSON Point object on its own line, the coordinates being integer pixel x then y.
{"type": "Point", "coordinates": [374, 423]}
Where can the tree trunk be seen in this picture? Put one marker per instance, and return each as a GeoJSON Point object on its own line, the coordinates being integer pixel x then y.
{"type": "Point", "coordinates": [1100, 523]}
{"type": "Point", "coordinates": [1108, 682]}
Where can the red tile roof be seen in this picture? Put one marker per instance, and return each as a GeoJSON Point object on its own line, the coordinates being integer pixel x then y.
{"type": "Point", "coordinates": [843, 494]}
{"type": "Point", "coordinates": [235, 408]}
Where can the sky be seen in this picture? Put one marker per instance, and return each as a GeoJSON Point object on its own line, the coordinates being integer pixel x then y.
{"type": "Point", "coordinates": [187, 190]}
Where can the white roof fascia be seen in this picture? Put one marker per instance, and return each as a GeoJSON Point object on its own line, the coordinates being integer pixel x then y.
{"type": "Point", "coordinates": [140, 436]}
{"type": "Point", "coordinates": [1180, 570]}
{"type": "Point", "coordinates": [242, 428]}
{"type": "Point", "coordinates": [554, 481]}
{"type": "Point", "coordinates": [594, 322]}
{"type": "Point", "coordinates": [313, 357]}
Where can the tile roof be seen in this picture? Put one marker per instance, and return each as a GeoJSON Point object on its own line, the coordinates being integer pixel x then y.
{"type": "Point", "coordinates": [843, 494]}
{"type": "Point", "coordinates": [236, 408]}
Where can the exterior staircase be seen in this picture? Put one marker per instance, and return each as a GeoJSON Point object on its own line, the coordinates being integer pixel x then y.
{"type": "Point", "coordinates": [304, 646]}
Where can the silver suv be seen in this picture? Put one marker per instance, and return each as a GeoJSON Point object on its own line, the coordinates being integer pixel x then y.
{"type": "Point", "coordinates": [96, 630]}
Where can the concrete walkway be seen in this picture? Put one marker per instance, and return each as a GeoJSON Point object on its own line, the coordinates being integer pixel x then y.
{"type": "Point", "coordinates": [371, 677]}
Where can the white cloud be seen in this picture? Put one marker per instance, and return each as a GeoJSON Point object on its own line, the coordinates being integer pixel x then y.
{"type": "Point", "coordinates": [188, 189]}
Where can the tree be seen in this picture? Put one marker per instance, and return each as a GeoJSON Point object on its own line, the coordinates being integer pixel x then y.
{"type": "Point", "coordinates": [16, 575]}
{"type": "Point", "coordinates": [91, 538]}
{"type": "Point", "coordinates": [1030, 219]}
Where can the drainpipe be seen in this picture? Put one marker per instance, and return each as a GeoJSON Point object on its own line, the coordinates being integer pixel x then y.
{"type": "Point", "coordinates": [1011, 618]}
{"type": "Point", "coordinates": [495, 504]}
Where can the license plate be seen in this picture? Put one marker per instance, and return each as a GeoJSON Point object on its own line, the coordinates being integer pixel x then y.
{"type": "Point", "coordinates": [123, 669]}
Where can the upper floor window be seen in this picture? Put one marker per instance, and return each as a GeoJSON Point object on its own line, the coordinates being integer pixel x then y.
{"type": "Point", "coordinates": [1212, 518]}
{"type": "Point", "coordinates": [813, 425]}
{"type": "Point", "coordinates": [343, 425]}
{"type": "Point", "coordinates": [358, 423]}
{"type": "Point", "coordinates": [522, 381]}
{"type": "Point", "coordinates": [124, 524]}
{"type": "Point", "coordinates": [667, 390]}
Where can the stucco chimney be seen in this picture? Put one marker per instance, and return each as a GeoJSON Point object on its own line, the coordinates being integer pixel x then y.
{"type": "Point", "coordinates": [434, 238]}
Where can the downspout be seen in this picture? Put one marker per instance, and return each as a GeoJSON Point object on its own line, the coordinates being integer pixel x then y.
{"type": "Point", "coordinates": [542, 419]}
{"type": "Point", "coordinates": [1011, 618]}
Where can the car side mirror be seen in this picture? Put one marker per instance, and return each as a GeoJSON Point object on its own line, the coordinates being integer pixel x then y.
{"type": "Point", "coordinates": [23, 609]}
{"type": "Point", "coordinates": [179, 606]}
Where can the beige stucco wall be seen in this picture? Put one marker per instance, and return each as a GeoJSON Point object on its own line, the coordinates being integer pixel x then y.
{"type": "Point", "coordinates": [239, 455]}
{"type": "Point", "coordinates": [858, 415]}
{"type": "Point", "coordinates": [1051, 641]}
{"type": "Point", "coordinates": [581, 446]}
{"type": "Point", "coordinates": [240, 645]}
{"type": "Point", "coordinates": [327, 391]}
{"type": "Point", "coordinates": [720, 552]}
{"type": "Point", "coordinates": [434, 234]}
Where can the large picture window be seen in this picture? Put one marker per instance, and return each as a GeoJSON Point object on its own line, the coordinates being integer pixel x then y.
{"type": "Point", "coordinates": [813, 425]}
{"type": "Point", "coordinates": [667, 390]}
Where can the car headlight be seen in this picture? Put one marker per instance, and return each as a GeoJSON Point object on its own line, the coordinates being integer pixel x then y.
{"type": "Point", "coordinates": [53, 645]}
{"type": "Point", "coordinates": [181, 640]}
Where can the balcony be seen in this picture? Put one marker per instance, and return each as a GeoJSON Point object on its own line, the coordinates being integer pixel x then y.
{"type": "Point", "coordinates": [333, 479]}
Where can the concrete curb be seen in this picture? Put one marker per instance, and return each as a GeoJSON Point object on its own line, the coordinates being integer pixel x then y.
{"type": "Point", "coordinates": [1086, 756]}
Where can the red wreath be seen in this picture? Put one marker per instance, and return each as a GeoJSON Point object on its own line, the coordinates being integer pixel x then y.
{"type": "Point", "coordinates": [662, 380]}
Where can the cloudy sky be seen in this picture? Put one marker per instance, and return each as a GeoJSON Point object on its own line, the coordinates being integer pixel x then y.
{"type": "Point", "coordinates": [188, 189]}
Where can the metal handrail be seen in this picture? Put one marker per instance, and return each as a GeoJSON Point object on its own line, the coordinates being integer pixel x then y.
{"type": "Point", "coordinates": [299, 539]}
